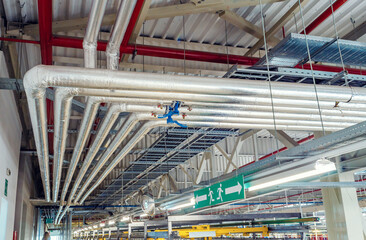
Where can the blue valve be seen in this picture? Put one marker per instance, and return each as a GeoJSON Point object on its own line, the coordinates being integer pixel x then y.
{"type": "Point", "coordinates": [171, 111]}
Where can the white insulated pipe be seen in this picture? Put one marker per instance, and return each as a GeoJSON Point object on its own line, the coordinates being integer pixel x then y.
{"type": "Point", "coordinates": [58, 76]}
{"type": "Point", "coordinates": [152, 124]}
{"type": "Point", "coordinates": [61, 121]}
{"type": "Point", "coordinates": [118, 32]}
{"type": "Point", "coordinates": [43, 77]}
{"type": "Point", "coordinates": [103, 131]}
{"type": "Point", "coordinates": [217, 122]}
{"type": "Point", "coordinates": [91, 34]}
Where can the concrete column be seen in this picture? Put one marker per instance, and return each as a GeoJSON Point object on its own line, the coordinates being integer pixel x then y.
{"type": "Point", "coordinates": [145, 231]}
{"type": "Point", "coordinates": [343, 214]}
{"type": "Point", "coordinates": [129, 231]}
{"type": "Point", "coordinates": [170, 229]}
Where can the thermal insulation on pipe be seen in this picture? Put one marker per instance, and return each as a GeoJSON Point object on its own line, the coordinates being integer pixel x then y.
{"type": "Point", "coordinates": [62, 114]}
{"type": "Point", "coordinates": [37, 109]}
{"type": "Point", "coordinates": [144, 129]}
{"type": "Point", "coordinates": [303, 125]}
{"type": "Point", "coordinates": [223, 101]}
{"type": "Point", "coordinates": [56, 221]}
{"type": "Point", "coordinates": [118, 32]}
{"type": "Point", "coordinates": [62, 110]}
{"type": "Point", "coordinates": [151, 124]}
{"type": "Point", "coordinates": [43, 76]}
{"type": "Point", "coordinates": [63, 213]}
{"type": "Point", "coordinates": [110, 118]}
{"type": "Point", "coordinates": [90, 113]}
{"type": "Point", "coordinates": [199, 99]}
{"type": "Point", "coordinates": [91, 34]}
{"type": "Point", "coordinates": [121, 135]}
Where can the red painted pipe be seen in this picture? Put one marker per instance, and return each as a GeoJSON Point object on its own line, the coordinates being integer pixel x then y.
{"type": "Point", "coordinates": [189, 54]}
{"type": "Point", "coordinates": [322, 17]}
{"type": "Point", "coordinates": [45, 30]}
{"type": "Point", "coordinates": [162, 52]}
{"type": "Point", "coordinates": [45, 36]}
{"type": "Point", "coordinates": [19, 40]}
{"type": "Point", "coordinates": [131, 25]}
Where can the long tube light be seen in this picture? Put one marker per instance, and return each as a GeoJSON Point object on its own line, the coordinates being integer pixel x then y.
{"type": "Point", "coordinates": [321, 166]}
{"type": "Point", "coordinates": [183, 205]}
{"type": "Point", "coordinates": [125, 219]}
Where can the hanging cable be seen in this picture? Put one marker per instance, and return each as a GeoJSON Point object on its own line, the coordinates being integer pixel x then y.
{"type": "Point", "coordinates": [227, 48]}
{"type": "Point", "coordinates": [269, 78]}
{"type": "Point", "coordinates": [339, 47]}
{"type": "Point", "coordinates": [295, 23]}
{"type": "Point", "coordinates": [311, 68]}
{"type": "Point", "coordinates": [143, 43]}
{"type": "Point", "coordinates": [184, 46]}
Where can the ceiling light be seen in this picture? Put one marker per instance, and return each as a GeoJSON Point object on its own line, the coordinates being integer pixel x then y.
{"type": "Point", "coordinates": [321, 166]}
{"type": "Point", "coordinates": [125, 219]}
{"type": "Point", "coordinates": [111, 222]}
{"type": "Point", "coordinates": [102, 224]}
{"type": "Point", "coordinates": [183, 205]}
{"type": "Point", "coordinates": [95, 226]}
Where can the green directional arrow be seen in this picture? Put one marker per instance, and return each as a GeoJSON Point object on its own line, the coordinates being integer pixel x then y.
{"type": "Point", "coordinates": [226, 191]}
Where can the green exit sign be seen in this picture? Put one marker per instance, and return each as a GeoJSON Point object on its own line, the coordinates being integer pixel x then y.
{"type": "Point", "coordinates": [6, 188]}
{"type": "Point", "coordinates": [226, 191]}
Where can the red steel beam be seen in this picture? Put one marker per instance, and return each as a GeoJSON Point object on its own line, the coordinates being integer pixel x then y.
{"type": "Point", "coordinates": [131, 25]}
{"type": "Point", "coordinates": [189, 54]}
{"type": "Point", "coordinates": [162, 52]}
{"type": "Point", "coordinates": [322, 17]}
{"type": "Point", "coordinates": [45, 37]}
{"type": "Point", "coordinates": [45, 30]}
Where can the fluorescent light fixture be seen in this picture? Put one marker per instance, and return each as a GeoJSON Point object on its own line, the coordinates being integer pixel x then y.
{"type": "Point", "coordinates": [111, 222]}
{"type": "Point", "coordinates": [125, 219]}
{"type": "Point", "coordinates": [102, 224]}
{"type": "Point", "coordinates": [143, 215]}
{"type": "Point", "coordinates": [95, 226]}
{"type": "Point", "coordinates": [321, 166]}
{"type": "Point", "coordinates": [183, 205]}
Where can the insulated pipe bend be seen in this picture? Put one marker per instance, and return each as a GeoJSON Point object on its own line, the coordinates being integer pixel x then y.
{"type": "Point", "coordinates": [91, 34]}
{"type": "Point", "coordinates": [121, 135]}
{"type": "Point", "coordinates": [144, 129]}
{"type": "Point", "coordinates": [103, 131]}
{"type": "Point", "coordinates": [62, 111]}
{"type": "Point", "coordinates": [37, 109]}
{"type": "Point", "coordinates": [90, 113]}
{"type": "Point", "coordinates": [118, 32]}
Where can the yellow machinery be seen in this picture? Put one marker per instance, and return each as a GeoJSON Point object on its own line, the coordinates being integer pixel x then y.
{"type": "Point", "coordinates": [220, 231]}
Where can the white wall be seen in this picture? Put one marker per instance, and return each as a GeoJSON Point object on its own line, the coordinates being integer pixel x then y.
{"type": "Point", "coordinates": [10, 138]}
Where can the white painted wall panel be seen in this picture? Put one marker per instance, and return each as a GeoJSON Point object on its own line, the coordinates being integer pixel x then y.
{"type": "Point", "coordinates": [10, 137]}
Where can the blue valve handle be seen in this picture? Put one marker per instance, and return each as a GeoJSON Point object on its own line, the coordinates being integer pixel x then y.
{"type": "Point", "coordinates": [173, 110]}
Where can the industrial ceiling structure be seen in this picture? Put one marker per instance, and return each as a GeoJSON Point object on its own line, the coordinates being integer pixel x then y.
{"type": "Point", "coordinates": [143, 118]}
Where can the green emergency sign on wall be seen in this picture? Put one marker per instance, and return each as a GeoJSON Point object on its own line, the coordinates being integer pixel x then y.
{"type": "Point", "coordinates": [226, 191]}
{"type": "Point", "coordinates": [6, 188]}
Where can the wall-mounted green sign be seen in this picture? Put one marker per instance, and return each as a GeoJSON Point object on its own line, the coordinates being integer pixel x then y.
{"type": "Point", "coordinates": [226, 191]}
{"type": "Point", "coordinates": [6, 188]}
